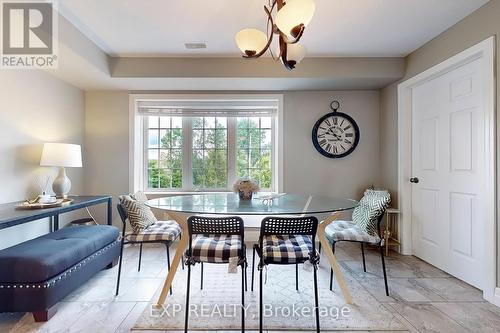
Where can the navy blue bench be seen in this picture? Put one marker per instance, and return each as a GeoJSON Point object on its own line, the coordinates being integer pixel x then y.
{"type": "Point", "coordinates": [37, 274]}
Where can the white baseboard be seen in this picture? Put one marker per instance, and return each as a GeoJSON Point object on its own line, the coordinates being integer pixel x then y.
{"type": "Point", "coordinates": [496, 297]}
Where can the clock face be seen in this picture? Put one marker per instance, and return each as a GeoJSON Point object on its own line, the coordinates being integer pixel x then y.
{"type": "Point", "coordinates": [335, 135]}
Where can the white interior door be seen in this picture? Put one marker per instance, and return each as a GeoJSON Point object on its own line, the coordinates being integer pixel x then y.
{"type": "Point", "coordinates": [448, 158]}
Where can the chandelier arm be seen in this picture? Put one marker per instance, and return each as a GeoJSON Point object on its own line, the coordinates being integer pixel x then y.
{"type": "Point", "coordinates": [269, 39]}
{"type": "Point", "coordinates": [296, 39]}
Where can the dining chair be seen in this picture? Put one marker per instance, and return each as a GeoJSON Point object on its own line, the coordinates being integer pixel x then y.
{"type": "Point", "coordinates": [216, 240]}
{"type": "Point", "coordinates": [161, 232]}
{"type": "Point", "coordinates": [287, 241]}
{"type": "Point", "coordinates": [365, 227]}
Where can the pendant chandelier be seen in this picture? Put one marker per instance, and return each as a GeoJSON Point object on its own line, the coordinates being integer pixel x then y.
{"type": "Point", "coordinates": [289, 23]}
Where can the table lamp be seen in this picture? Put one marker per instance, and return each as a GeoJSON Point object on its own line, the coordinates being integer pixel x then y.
{"type": "Point", "coordinates": [62, 155]}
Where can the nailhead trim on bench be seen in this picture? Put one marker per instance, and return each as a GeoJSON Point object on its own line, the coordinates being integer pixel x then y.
{"type": "Point", "coordinates": [52, 282]}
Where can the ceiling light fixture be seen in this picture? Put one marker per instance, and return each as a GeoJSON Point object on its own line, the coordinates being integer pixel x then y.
{"type": "Point", "coordinates": [289, 23]}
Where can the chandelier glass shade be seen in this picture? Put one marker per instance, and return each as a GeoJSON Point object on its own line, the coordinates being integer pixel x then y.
{"type": "Point", "coordinates": [291, 18]}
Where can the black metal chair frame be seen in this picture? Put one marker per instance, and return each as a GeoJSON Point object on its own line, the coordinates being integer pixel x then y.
{"type": "Point", "coordinates": [284, 226]}
{"type": "Point", "coordinates": [198, 225]}
{"type": "Point", "coordinates": [379, 244]}
{"type": "Point", "coordinates": [123, 216]}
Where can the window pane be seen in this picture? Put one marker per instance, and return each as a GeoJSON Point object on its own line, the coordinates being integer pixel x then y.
{"type": "Point", "coordinates": [198, 178]}
{"type": "Point", "coordinates": [221, 178]}
{"type": "Point", "coordinates": [265, 139]}
{"type": "Point", "coordinates": [176, 122]}
{"type": "Point", "coordinates": [153, 122]}
{"type": "Point", "coordinates": [209, 141]}
{"type": "Point", "coordinates": [221, 122]}
{"type": "Point", "coordinates": [152, 155]}
{"type": "Point", "coordinates": [221, 159]}
{"type": "Point", "coordinates": [165, 138]}
{"type": "Point", "coordinates": [164, 122]}
{"type": "Point", "coordinates": [164, 160]}
{"type": "Point", "coordinates": [209, 122]}
{"type": "Point", "coordinates": [209, 161]}
{"type": "Point", "coordinates": [197, 122]}
{"type": "Point", "coordinates": [243, 139]}
{"type": "Point", "coordinates": [197, 138]}
{"type": "Point", "coordinates": [254, 158]}
{"type": "Point", "coordinates": [153, 178]}
{"type": "Point", "coordinates": [242, 123]}
{"type": "Point", "coordinates": [220, 138]}
{"type": "Point", "coordinates": [197, 159]}
{"type": "Point", "coordinates": [254, 136]}
{"type": "Point", "coordinates": [254, 144]}
{"type": "Point", "coordinates": [265, 122]}
{"type": "Point", "coordinates": [253, 122]}
{"type": "Point", "coordinates": [176, 158]}
{"type": "Point", "coordinates": [176, 139]}
{"type": "Point", "coordinates": [177, 178]}
{"type": "Point", "coordinates": [165, 178]}
{"type": "Point", "coordinates": [153, 139]}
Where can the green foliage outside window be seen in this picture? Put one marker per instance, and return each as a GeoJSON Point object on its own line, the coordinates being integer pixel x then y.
{"type": "Point", "coordinates": [209, 158]}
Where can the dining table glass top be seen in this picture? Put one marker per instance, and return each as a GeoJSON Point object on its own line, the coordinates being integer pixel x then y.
{"type": "Point", "coordinates": [230, 204]}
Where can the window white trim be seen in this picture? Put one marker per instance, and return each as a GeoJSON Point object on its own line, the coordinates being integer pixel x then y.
{"type": "Point", "coordinates": [136, 134]}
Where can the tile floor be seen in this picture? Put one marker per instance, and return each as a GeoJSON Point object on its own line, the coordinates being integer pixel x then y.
{"type": "Point", "coordinates": [423, 297]}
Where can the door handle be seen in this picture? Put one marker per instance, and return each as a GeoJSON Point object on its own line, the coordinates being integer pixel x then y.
{"type": "Point", "coordinates": [414, 180]}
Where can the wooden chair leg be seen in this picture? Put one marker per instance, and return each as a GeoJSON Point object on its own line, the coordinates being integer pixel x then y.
{"type": "Point", "coordinates": [168, 261]}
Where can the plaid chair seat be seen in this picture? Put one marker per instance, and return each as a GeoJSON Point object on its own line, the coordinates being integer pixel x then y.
{"type": "Point", "coordinates": [349, 231]}
{"type": "Point", "coordinates": [216, 248]}
{"type": "Point", "coordinates": [160, 231]}
{"type": "Point", "coordinates": [282, 249]}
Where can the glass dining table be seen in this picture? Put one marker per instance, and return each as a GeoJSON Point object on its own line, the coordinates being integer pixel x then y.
{"type": "Point", "coordinates": [179, 208]}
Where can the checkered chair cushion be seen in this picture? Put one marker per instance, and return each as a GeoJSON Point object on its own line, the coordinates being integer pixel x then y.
{"type": "Point", "coordinates": [349, 231]}
{"type": "Point", "coordinates": [159, 231]}
{"type": "Point", "coordinates": [281, 249]}
{"type": "Point", "coordinates": [216, 248]}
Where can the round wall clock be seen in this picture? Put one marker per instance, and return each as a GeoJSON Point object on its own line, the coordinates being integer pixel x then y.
{"type": "Point", "coordinates": [336, 134]}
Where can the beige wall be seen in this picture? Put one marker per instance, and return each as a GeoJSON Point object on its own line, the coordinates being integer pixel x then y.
{"type": "Point", "coordinates": [34, 108]}
{"type": "Point", "coordinates": [305, 170]}
{"type": "Point", "coordinates": [483, 23]}
{"type": "Point", "coordinates": [106, 146]}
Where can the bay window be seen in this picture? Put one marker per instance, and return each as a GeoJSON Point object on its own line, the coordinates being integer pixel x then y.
{"type": "Point", "coordinates": [206, 148]}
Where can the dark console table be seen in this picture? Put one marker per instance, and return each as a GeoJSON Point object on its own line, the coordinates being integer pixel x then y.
{"type": "Point", "coordinates": [11, 216]}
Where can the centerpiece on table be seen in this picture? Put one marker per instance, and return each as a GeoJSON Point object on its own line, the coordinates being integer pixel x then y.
{"type": "Point", "coordinates": [246, 188]}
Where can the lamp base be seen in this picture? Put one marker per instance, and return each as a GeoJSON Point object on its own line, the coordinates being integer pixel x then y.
{"type": "Point", "coordinates": [61, 184]}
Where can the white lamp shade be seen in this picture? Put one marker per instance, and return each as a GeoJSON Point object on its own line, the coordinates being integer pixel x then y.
{"type": "Point", "coordinates": [62, 155]}
{"type": "Point", "coordinates": [295, 52]}
{"type": "Point", "coordinates": [293, 13]}
{"type": "Point", "coordinates": [251, 40]}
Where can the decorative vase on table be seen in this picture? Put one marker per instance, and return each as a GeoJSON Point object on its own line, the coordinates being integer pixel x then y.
{"type": "Point", "coordinates": [246, 188]}
{"type": "Point", "coordinates": [245, 196]}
